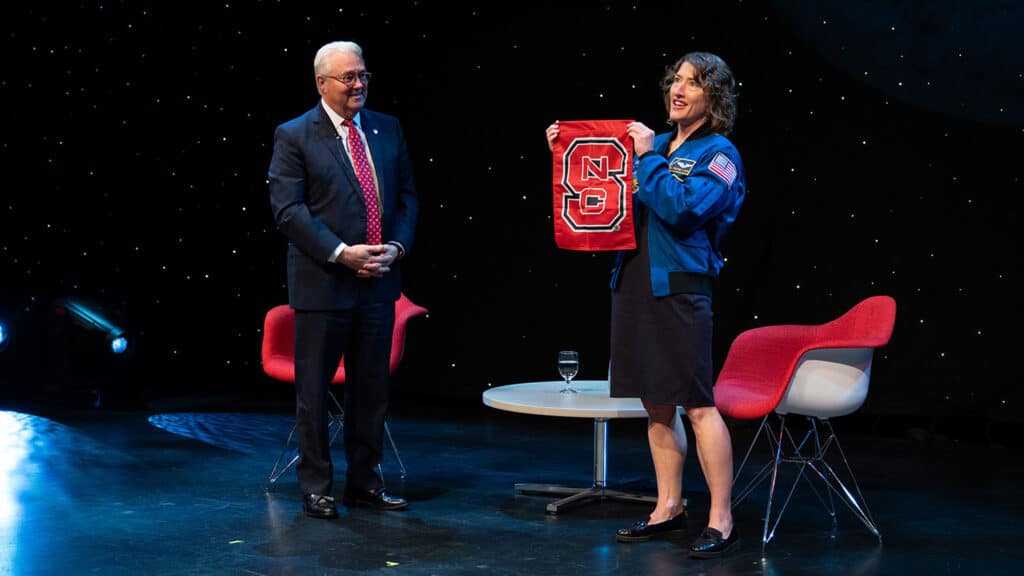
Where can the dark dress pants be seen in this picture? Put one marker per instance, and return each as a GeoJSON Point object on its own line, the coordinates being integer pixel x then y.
{"type": "Point", "coordinates": [363, 335]}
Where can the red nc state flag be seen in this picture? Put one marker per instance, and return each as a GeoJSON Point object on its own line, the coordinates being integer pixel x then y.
{"type": "Point", "coordinates": [593, 183]}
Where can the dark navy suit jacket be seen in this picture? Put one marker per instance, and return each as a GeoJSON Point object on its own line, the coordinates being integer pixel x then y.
{"type": "Point", "coordinates": [317, 204]}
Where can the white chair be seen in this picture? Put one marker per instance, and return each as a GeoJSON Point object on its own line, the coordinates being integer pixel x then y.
{"type": "Point", "coordinates": [816, 371]}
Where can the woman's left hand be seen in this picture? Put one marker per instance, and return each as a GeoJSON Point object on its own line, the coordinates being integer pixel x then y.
{"type": "Point", "coordinates": [643, 138]}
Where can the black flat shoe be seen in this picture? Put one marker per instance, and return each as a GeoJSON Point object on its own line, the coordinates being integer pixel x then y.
{"type": "Point", "coordinates": [710, 543]}
{"type": "Point", "coordinates": [319, 506]}
{"type": "Point", "coordinates": [376, 499]}
{"type": "Point", "coordinates": [641, 531]}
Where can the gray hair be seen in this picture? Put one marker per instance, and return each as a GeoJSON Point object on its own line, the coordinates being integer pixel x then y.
{"type": "Point", "coordinates": [332, 48]}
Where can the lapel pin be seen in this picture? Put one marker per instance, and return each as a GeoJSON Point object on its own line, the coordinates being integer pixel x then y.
{"type": "Point", "coordinates": [375, 131]}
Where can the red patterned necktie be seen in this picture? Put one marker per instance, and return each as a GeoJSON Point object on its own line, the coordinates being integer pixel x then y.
{"type": "Point", "coordinates": [365, 175]}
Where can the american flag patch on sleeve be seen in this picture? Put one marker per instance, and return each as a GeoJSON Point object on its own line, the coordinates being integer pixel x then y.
{"type": "Point", "coordinates": [724, 168]}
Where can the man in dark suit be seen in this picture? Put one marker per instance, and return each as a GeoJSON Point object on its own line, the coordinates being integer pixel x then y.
{"type": "Point", "coordinates": [342, 192]}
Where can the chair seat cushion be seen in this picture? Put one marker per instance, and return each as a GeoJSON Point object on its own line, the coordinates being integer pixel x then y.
{"type": "Point", "coordinates": [761, 361]}
{"type": "Point", "coordinates": [738, 399]}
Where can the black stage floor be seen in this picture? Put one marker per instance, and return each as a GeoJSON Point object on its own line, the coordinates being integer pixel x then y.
{"type": "Point", "coordinates": [180, 490]}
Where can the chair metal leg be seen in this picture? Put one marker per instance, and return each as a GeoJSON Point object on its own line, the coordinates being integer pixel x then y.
{"type": "Point", "coordinates": [278, 470]}
{"type": "Point", "coordinates": [401, 465]}
{"type": "Point", "coordinates": [809, 454]}
{"type": "Point", "coordinates": [336, 421]}
{"type": "Point", "coordinates": [335, 424]}
{"type": "Point", "coordinates": [771, 493]}
{"type": "Point", "coordinates": [761, 474]}
{"type": "Point", "coordinates": [820, 448]}
{"type": "Point", "coordinates": [857, 504]}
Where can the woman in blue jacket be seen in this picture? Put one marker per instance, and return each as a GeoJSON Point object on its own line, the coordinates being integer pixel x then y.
{"type": "Point", "coordinates": [689, 189]}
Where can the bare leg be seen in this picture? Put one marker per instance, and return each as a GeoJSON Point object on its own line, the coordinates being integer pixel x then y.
{"type": "Point", "coordinates": [667, 438]}
{"type": "Point", "coordinates": [714, 450]}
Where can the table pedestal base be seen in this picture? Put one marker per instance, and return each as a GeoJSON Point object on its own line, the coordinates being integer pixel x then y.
{"type": "Point", "coordinates": [599, 490]}
{"type": "Point", "coordinates": [579, 495]}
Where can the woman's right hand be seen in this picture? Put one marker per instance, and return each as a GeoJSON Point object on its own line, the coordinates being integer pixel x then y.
{"type": "Point", "coordinates": [552, 134]}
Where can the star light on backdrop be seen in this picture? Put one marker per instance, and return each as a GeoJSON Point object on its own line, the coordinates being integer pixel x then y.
{"type": "Point", "coordinates": [879, 143]}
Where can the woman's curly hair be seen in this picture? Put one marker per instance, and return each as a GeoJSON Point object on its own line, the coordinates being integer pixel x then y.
{"type": "Point", "coordinates": [716, 78]}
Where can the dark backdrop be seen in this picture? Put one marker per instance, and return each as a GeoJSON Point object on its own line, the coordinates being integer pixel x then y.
{"type": "Point", "coordinates": [881, 141]}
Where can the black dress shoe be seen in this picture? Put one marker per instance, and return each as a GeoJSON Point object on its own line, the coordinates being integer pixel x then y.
{"type": "Point", "coordinates": [319, 506]}
{"type": "Point", "coordinates": [641, 531]}
{"type": "Point", "coordinates": [377, 499]}
{"type": "Point", "coordinates": [710, 544]}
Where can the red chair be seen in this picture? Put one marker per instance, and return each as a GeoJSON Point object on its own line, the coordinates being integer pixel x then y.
{"type": "Point", "coordinates": [278, 357]}
{"type": "Point", "coordinates": [816, 371]}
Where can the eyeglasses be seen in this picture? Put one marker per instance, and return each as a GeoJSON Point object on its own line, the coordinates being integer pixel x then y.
{"type": "Point", "coordinates": [349, 78]}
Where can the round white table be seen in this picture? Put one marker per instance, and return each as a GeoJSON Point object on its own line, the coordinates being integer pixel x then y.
{"type": "Point", "coordinates": [591, 400]}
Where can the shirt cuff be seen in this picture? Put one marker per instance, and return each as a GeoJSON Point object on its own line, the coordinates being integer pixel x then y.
{"type": "Point", "coordinates": [337, 252]}
{"type": "Point", "coordinates": [401, 248]}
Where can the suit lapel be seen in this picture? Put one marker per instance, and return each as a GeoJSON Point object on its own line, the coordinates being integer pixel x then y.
{"type": "Point", "coordinates": [375, 143]}
{"type": "Point", "coordinates": [329, 137]}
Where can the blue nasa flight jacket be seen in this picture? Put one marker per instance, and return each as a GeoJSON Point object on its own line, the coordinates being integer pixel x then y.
{"type": "Point", "coordinates": [691, 206]}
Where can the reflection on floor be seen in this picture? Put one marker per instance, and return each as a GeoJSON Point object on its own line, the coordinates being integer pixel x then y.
{"type": "Point", "coordinates": [183, 492]}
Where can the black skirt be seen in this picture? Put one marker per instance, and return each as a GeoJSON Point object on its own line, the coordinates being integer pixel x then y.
{"type": "Point", "coordinates": [660, 347]}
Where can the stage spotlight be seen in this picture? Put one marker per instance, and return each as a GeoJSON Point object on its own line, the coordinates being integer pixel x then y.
{"type": "Point", "coordinates": [90, 357]}
{"type": "Point", "coordinates": [4, 336]}
{"type": "Point", "coordinates": [119, 345]}
{"type": "Point", "coordinates": [91, 318]}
